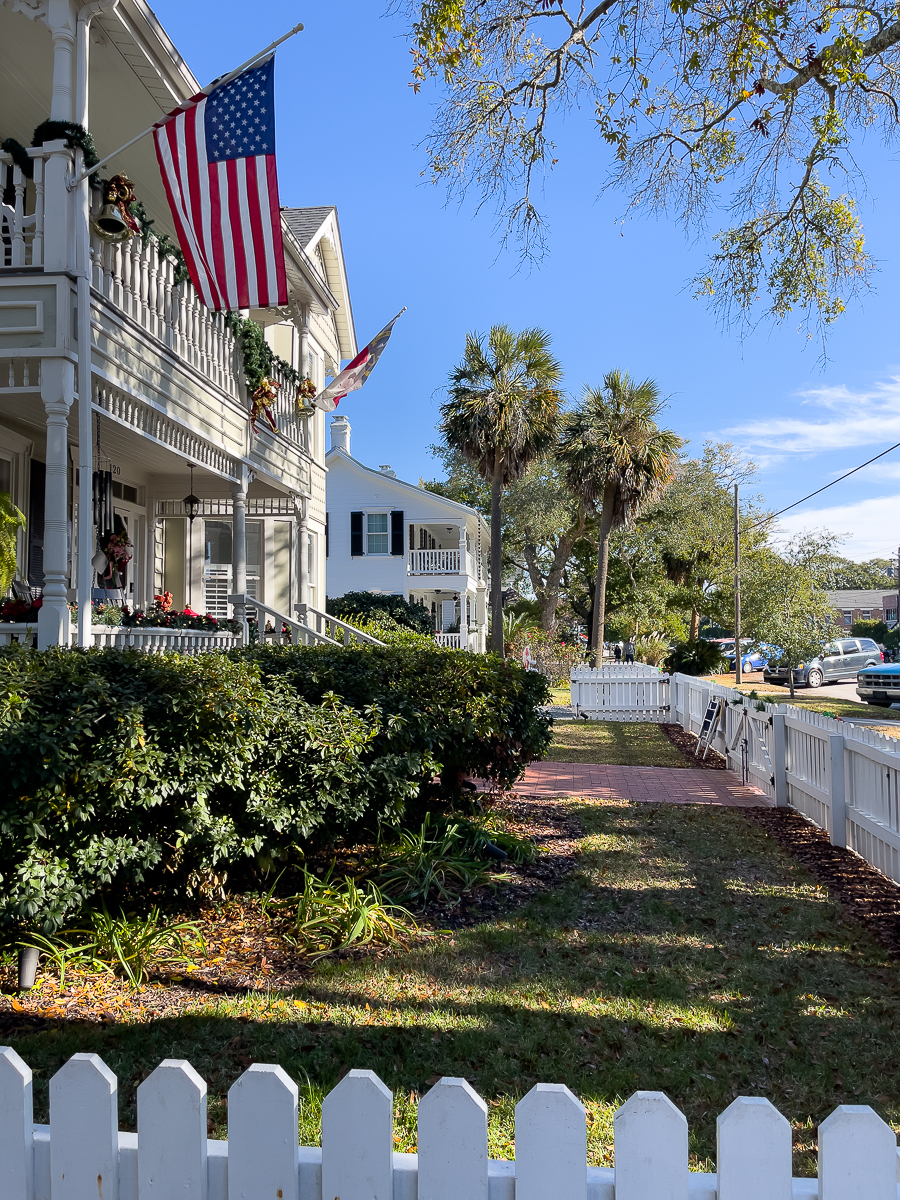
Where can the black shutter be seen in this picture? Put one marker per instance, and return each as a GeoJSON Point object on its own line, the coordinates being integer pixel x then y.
{"type": "Point", "coordinates": [397, 531]}
{"type": "Point", "coordinates": [356, 534]}
{"type": "Point", "coordinates": [36, 524]}
{"type": "Point", "coordinates": [412, 537]}
{"type": "Point", "coordinates": [327, 539]}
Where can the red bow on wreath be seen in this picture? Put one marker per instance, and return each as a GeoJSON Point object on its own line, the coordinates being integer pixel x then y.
{"type": "Point", "coordinates": [260, 399]}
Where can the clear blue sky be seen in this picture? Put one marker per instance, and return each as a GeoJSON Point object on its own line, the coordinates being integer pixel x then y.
{"type": "Point", "coordinates": [349, 130]}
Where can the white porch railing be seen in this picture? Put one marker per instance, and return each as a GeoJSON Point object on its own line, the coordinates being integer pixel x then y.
{"type": "Point", "coordinates": [140, 282]}
{"type": "Point", "coordinates": [433, 562]}
{"type": "Point", "coordinates": [332, 628]}
{"type": "Point", "coordinates": [626, 692]}
{"type": "Point", "coordinates": [458, 641]}
{"type": "Point", "coordinates": [157, 641]}
{"type": "Point", "coordinates": [170, 1155]}
{"type": "Point", "coordinates": [22, 222]}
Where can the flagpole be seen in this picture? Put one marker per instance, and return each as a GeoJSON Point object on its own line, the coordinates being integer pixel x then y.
{"type": "Point", "coordinates": [222, 79]}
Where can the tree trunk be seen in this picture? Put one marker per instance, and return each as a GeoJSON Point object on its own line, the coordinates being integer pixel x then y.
{"type": "Point", "coordinates": [496, 564]}
{"type": "Point", "coordinates": [546, 588]}
{"type": "Point", "coordinates": [606, 520]}
{"type": "Point", "coordinates": [694, 633]}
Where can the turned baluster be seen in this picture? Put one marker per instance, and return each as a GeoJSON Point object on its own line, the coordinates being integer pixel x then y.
{"type": "Point", "coordinates": [37, 241]}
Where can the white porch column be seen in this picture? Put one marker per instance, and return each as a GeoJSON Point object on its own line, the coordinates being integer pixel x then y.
{"type": "Point", "coordinates": [302, 509]}
{"type": "Point", "coordinates": [239, 545]}
{"type": "Point", "coordinates": [61, 19]}
{"type": "Point", "coordinates": [57, 393]}
{"type": "Point", "coordinates": [481, 615]}
{"type": "Point", "coordinates": [462, 550]}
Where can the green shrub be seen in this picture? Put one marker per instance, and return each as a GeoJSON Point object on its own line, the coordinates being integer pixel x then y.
{"type": "Point", "coordinates": [372, 604]}
{"type": "Point", "coordinates": [388, 630]}
{"type": "Point", "coordinates": [330, 916]}
{"type": "Point", "coordinates": [125, 769]}
{"type": "Point", "coordinates": [441, 711]}
{"type": "Point", "coordinates": [697, 658]}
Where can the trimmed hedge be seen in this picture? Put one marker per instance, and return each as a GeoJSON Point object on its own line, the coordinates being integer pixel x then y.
{"type": "Point", "coordinates": [455, 713]}
{"type": "Point", "coordinates": [125, 770]}
{"type": "Point", "coordinates": [129, 767]}
{"type": "Point", "coordinates": [373, 604]}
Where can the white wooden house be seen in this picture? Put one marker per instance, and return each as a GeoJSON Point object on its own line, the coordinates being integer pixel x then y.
{"type": "Point", "coordinates": [385, 535]}
{"type": "Point", "coordinates": [106, 363]}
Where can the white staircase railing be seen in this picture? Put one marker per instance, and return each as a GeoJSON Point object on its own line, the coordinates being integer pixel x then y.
{"type": "Point", "coordinates": [297, 633]}
{"type": "Point", "coordinates": [332, 628]}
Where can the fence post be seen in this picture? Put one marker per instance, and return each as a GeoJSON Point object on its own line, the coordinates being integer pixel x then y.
{"type": "Point", "coordinates": [16, 1118]}
{"type": "Point", "coordinates": [84, 1130]}
{"type": "Point", "coordinates": [262, 1135]}
{"type": "Point", "coordinates": [551, 1145]}
{"type": "Point", "coordinates": [651, 1140]}
{"type": "Point", "coordinates": [838, 829]}
{"type": "Point", "coordinates": [357, 1139]}
{"type": "Point", "coordinates": [857, 1156]}
{"type": "Point", "coordinates": [753, 1151]}
{"type": "Point", "coordinates": [779, 760]}
{"type": "Point", "coordinates": [171, 1119]}
{"type": "Point", "coordinates": [453, 1153]}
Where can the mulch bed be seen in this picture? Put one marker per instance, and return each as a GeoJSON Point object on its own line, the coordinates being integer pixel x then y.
{"type": "Point", "coordinates": [245, 954]}
{"type": "Point", "coordinates": [687, 744]}
{"type": "Point", "coordinates": [866, 895]}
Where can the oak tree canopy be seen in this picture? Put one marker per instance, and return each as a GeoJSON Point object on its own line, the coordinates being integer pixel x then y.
{"type": "Point", "coordinates": [744, 107]}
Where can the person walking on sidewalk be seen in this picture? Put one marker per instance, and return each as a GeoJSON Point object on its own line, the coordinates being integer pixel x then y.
{"type": "Point", "coordinates": [617, 650]}
{"type": "Point", "coordinates": [629, 651]}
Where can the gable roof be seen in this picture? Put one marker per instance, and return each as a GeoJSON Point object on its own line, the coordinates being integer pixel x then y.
{"type": "Point", "coordinates": [305, 223]}
{"type": "Point", "coordinates": [317, 226]}
{"type": "Point", "coordinates": [382, 478]}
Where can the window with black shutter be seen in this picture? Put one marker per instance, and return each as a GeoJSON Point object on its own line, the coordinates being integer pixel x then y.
{"type": "Point", "coordinates": [356, 534]}
{"type": "Point", "coordinates": [327, 538]}
{"type": "Point", "coordinates": [36, 524]}
{"type": "Point", "coordinates": [397, 531]}
{"type": "Point", "coordinates": [412, 537]}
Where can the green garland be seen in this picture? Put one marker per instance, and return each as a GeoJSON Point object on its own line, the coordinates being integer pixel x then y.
{"type": "Point", "coordinates": [260, 362]}
{"type": "Point", "coordinates": [72, 134]}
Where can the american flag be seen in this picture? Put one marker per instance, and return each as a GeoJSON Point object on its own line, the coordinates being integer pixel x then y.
{"type": "Point", "coordinates": [216, 153]}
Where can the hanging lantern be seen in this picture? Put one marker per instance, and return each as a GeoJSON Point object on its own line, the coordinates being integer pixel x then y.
{"type": "Point", "coordinates": [191, 503]}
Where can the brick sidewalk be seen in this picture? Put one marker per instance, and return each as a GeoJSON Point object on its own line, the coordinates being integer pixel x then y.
{"type": "Point", "coordinates": [652, 785]}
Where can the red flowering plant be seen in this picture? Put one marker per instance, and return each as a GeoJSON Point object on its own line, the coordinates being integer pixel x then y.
{"type": "Point", "coordinates": [159, 615]}
{"type": "Point", "coordinates": [19, 610]}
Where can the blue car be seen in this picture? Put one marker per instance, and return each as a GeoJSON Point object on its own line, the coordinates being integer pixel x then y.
{"type": "Point", "coordinates": [879, 684]}
{"type": "Point", "coordinates": [751, 660]}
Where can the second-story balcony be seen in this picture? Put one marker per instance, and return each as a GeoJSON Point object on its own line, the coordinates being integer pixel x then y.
{"type": "Point", "coordinates": [433, 562]}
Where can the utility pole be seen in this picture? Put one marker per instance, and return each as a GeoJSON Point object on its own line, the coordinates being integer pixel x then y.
{"type": "Point", "coordinates": [737, 590]}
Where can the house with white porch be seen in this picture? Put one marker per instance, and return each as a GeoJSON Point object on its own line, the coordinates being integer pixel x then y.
{"type": "Point", "coordinates": [385, 535]}
{"type": "Point", "coordinates": [122, 398]}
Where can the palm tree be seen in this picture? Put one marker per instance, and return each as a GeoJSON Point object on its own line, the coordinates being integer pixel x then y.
{"type": "Point", "coordinates": [616, 458]}
{"type": "Point", "coordinates": [502, 410]}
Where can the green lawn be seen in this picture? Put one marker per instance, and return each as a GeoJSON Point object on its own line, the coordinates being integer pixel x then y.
{"type": "Point", "coordinates": [623, 743]}
{"type": "Point", "coordinates": [688, 953]}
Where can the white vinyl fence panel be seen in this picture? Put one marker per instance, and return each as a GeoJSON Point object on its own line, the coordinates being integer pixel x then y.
{"type": "Point", "coordinates": [844, 778]}
{"type": "Point", "coordinates": [622, 692]}
{"type": "Point", "coordinates": [82, 1154]}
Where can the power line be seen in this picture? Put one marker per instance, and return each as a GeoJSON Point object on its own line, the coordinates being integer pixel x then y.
{"type": "Point", "coordinates": [868, 462]}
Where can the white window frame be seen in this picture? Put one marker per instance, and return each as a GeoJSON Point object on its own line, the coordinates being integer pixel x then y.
{"type": "Point", "coordinates": [385, 533]}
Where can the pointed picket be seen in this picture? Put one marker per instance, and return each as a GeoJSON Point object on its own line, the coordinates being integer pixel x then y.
{"type": "Point", "coordinates": [857, 1156]}
{"type": "Point", "coordinates": [551, 1145]}
{"type": "Point", "coordinates": [754, 1151]}
{"type": "Point", "coordinates": [84, 1131]}
{"type": "Point", "coordinates": [171, 1119]}
{"type": "Point", "coordinates": [651, 1137]}
{"type": "Point", "coordinates": [262, 1136]}
{"type": "Point", "coordinates": [453, 1156]}
{"type": "Point", "coordinates": [16, 1118]}
{"type": "Point", "coordinates": [357, 1139]}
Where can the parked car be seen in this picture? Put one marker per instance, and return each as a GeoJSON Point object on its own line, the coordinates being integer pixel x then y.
{"type": "Point", "coordinates": [751, 660]}
{"type": "Point", "coordinates": [842, 660]}
{"type": "Point", "coordinates": [879, 685]}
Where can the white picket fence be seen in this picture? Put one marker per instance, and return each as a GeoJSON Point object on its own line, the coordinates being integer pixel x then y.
{"type": "Point", "coordinates": [81, 1155]}
{"type": "Point", "coordinates": [844, 778]}
{"type": "Point", "coordinates": [620, 692]}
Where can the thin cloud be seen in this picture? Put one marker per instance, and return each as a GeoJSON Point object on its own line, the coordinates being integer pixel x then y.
{"type": "Point", "coordinates": [864, 418]}
{"type": "Point", "coordinates": [869, 527]}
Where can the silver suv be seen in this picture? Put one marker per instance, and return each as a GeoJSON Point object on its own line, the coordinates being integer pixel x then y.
{"type": "Point", "coordinates": [840, 661]}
